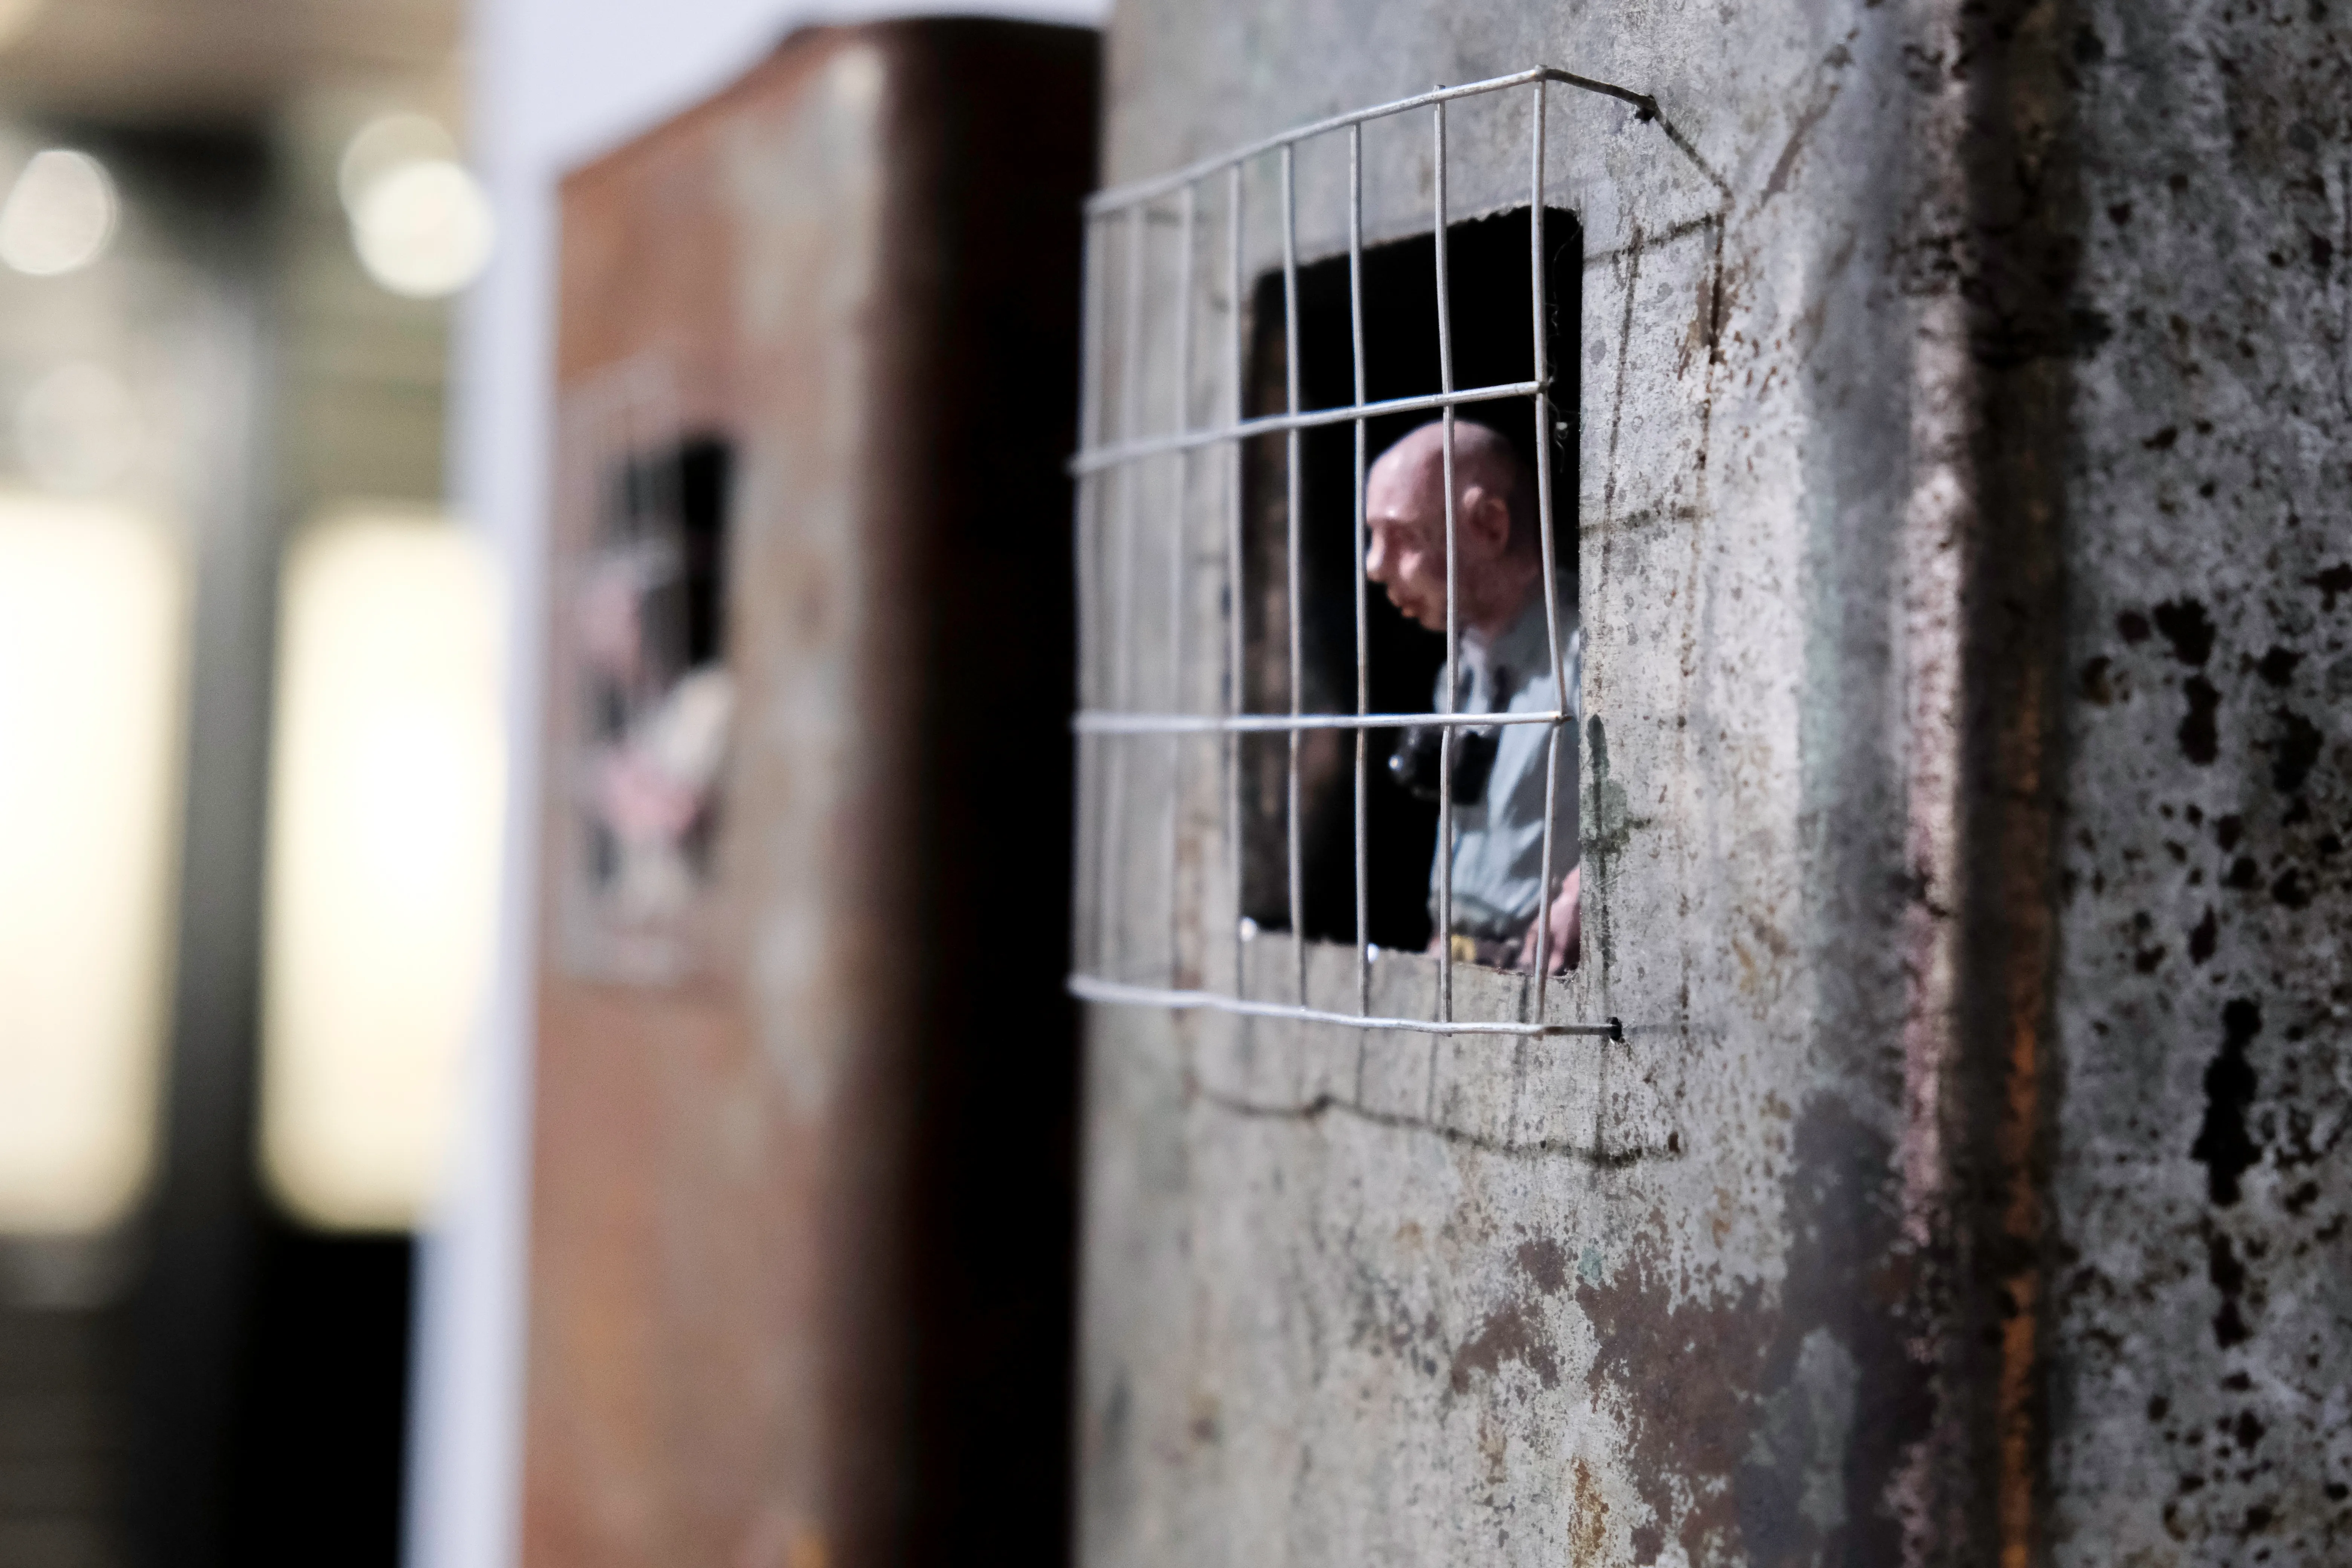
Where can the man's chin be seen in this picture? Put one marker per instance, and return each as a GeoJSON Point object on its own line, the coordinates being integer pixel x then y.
{"type": "Point", "coordinates": [1428, 617]}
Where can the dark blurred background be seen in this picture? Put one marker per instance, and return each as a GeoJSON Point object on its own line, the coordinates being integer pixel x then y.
{"type": "Point", "coordinates": [205, 1310]}
{"type": "Point", "coordinates": [276, 305]}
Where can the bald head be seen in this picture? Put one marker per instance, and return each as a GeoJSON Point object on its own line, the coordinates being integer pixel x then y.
{"type": "Point", "coordinates": [1496, 530]}
{"type": "Point", "coordinates": [1483, 461]}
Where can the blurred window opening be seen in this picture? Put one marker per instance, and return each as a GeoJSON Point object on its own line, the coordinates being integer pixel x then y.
{"type": "Point", "coordinates": [93, 600]}
{"type": "Point", "coordinates": [656, 702]}
{"type": "Point", "coordinates": [383, 854]}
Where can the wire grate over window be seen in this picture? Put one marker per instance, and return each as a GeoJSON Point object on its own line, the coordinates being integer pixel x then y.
{"type": "Point", "coordinates": [1160, 476]}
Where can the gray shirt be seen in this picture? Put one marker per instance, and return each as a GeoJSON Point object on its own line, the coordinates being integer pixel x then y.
{"type": "Point", "coordinates": [1498, 837]}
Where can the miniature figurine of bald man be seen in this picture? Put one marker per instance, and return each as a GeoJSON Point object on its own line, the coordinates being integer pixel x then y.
{"type": "Point", "coordinates": [1505, 666]}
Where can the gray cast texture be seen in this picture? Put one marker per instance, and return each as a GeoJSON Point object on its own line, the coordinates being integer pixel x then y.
{"type": "Point", "coordinates": [1965, 498]}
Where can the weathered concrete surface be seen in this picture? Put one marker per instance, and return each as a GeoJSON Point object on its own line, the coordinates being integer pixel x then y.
{"type": "Point", "coordinates": [2201, 1352]}
{"type": "Point", "coordinates": [1967, 515]}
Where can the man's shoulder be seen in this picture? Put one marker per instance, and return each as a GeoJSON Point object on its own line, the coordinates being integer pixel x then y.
{"type": "Point", "coordinates": [1526, 642]}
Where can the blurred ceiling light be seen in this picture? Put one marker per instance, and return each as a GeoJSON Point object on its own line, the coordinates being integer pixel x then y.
{"type": "Point", "coordinates": [91, 603]}
{"type": "Point", "coordinates": [60, 215]}
{"type": "Point", "coordinates": [383, 857]}
{"type": "Point", "coordinates": [385, 144]}
{"type": "Point", "coordinates": [420, 221]}
{"type": "Point", "coordinates": [425, 229]}
{"type": "Point", "coordinates": [77, 429]}
{"type": "Point", "coordinates": [15, 15]}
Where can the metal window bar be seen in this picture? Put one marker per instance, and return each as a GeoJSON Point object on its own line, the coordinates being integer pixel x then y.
{"type": "Point", "coordinates": [1543, 525]}
{"type": "Point", "coordinates": [1179, 520]}
{"type": "Point", "coordinates": [1098, 458]}
{"type": "Point", "coordinates": [1085, 940]}
{"type": "Point", "coordinates": [1453, 626]}
{"type": "Point", "coordinates": [1094, 722]}
{"type": "Point", "coordinates": [1234, 691]}
{"type": "Point", "coordinates": [1362, 587]}
{"type": "Point", "coordinates": [1128, 527]}
{"type": "Point", "coordinates": [1293, 465]}
{"type": "Point", "coordinates": [1094, 577]}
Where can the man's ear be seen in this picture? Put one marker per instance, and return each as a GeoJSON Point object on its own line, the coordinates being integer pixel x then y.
{"type": "Point", "coordinates": [1486, 520]}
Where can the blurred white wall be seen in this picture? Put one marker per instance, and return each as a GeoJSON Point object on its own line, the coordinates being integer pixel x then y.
{"type": "Point", "coordinates": [555, 81]}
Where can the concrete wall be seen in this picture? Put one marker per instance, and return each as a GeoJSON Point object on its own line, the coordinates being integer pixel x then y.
{"type": "Point", "coordinates": [2201, 1281]}
{"type": "Point", "coordinates": [1967, 573]}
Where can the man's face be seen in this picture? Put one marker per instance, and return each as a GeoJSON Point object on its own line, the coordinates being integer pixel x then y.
{"type": "Point", "coordinates": [1404, 512]}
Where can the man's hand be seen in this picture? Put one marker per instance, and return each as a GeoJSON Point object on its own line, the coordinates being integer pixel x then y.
{"type": "Point", "coordinates": [1566, 919]}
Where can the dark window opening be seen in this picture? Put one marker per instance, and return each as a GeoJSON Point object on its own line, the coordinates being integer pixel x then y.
{"type": "Point", "coordinates": [1492, 312]}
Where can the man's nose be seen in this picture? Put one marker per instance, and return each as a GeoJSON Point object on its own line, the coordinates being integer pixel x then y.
{"type": "Point", "coordinates": [1376, 558]}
